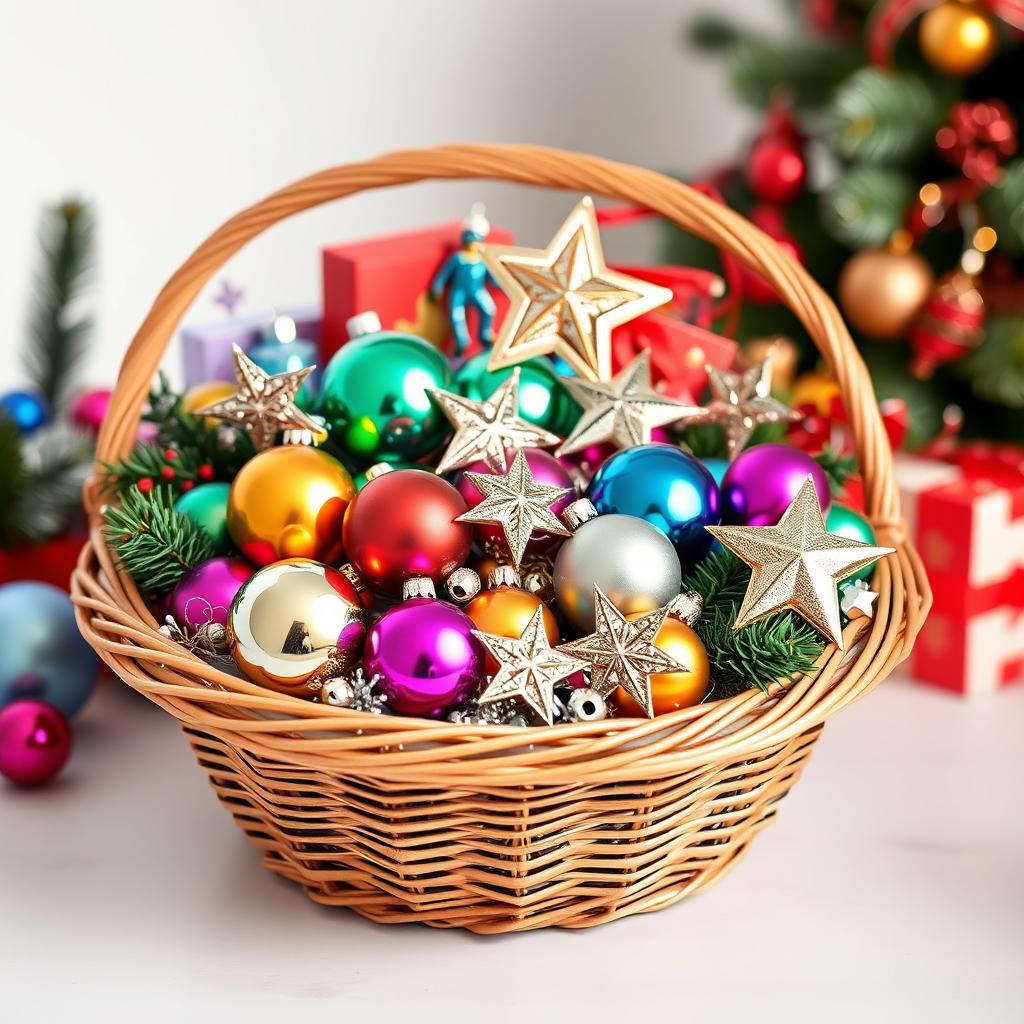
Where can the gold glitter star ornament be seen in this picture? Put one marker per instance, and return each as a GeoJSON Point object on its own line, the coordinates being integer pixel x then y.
{"type": "Point", "coordinates": [565, 300]}
{"type": "Point", "coordinates": [264, 404]}
{"type": "Point", "coordinates": [517, 503]}
{"type": "Point", "coordinates": [625, 410]}
{"type": "Point", "coordinates": [797, 565]}
{"type": "Point", "coordinates": [622, 652]}
{"type": "Point", "coordinates": [529, 667]}
{"type": "Point", "coordinates": [484, 430]}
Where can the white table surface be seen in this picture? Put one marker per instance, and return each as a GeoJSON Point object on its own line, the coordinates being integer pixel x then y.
{"type": "Point", "coordinates": [891, 887]}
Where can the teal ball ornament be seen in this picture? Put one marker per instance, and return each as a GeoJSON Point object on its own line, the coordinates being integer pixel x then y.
{"type": "Point", "coordinates": [375, 397]}
{"type": "Point", "coordinates": [847, 523]}
{"type": "Point", "coordinates": [207, 506]}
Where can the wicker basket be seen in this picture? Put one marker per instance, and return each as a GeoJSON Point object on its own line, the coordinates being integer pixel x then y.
{"type": "Point", "coordinates": [484, 827]}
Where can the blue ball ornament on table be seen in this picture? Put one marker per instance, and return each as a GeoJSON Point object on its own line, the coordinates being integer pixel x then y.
{"type": "Point", "coordinates": [666, 486]}
{"type": "Point", "coordinates": [42, 654]}
{"type": "Point", "coordinates": [26, 410]}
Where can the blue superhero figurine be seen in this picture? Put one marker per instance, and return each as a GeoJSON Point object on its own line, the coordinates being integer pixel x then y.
{"type": "Point", "coordinates": [465, 277]}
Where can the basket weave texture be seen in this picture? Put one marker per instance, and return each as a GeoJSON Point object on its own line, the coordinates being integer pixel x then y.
{"type": "Point", "coordinates": [487, 827]}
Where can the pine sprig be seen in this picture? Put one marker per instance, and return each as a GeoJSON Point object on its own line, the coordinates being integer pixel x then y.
{"type": "Point", "coordinates": [780, 646]}
{"type": "Point", "coordinates": [13, 480]}
{"type": "Point", "coordinates": [838, 468]}
{"type": "Point", "coordinates": [155, 545]}
{"type": "Point", "coordinates": [58, 333]}
{"type": "Point", "coordinates": [149, 464]}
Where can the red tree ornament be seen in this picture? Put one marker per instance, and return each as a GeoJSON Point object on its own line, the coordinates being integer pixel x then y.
{"type": "Point", "coordinates": [978, 138]}
{"type": "Point", "coordinates": [951, 323]}
{"type": "Point", "coordinates": [770, 220]}
{"type": "Point", "coordinates": [776, 168]}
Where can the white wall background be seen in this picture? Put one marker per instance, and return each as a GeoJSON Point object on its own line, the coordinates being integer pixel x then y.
{"type": "Point", "coordinates": [172, 116]}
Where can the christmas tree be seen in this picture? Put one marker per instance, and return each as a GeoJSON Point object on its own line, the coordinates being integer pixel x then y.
{"type": "Point", "coordinates": [888, 162]}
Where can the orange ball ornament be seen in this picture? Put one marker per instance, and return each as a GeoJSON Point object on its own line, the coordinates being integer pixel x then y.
{"type": "Point", "coordinates": [505, 610]}
{"type": "Point", "coordinates": [882, 290]}
{"type": "Point", "coordinates": [958, 38]}
{"type": "Point", "coordinates": [289, 502]}
{"type": "Point", "coordinates": [671, 691]}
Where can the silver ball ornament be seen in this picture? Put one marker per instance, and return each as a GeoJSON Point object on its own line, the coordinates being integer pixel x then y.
{"type": "Point", "coordinates": [633, 562]}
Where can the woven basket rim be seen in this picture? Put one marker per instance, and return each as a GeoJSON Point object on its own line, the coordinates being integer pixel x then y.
{"type": "Point", "coordinates": [118, 624]}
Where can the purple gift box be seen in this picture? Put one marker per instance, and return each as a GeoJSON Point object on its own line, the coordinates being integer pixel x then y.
{"type": "Point", "coordinates": [206, 349]}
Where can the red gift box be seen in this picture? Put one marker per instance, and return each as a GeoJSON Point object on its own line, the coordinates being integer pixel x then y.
{"type": "Point", "coordinates": [966, 518]}
{"type": "Point", "coordinates": [391, 277]}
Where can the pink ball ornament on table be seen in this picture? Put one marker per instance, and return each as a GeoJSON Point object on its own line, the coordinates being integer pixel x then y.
{"type": "Point", "coordinates": [206, 593]}
{"type": "Point", "coordinates": [89, 409]}
{"type": "Point", "coordinates": [762, 482]}
{"type": "Point", "coordinates": [35, 742]}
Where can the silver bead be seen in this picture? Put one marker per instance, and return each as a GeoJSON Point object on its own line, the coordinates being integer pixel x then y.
{"type": "Point", "coordinates": [632, 561]}
{"type": "Point", "coordinates": [463, 585]}
{"type": "Point", "coordinates": [587, 706]}
{"type": "Point", "coordinates": [418, 586]}
{"type": "Point", "coordinates": [338, 692]}
{"type": "Point", "coordinates": [503, 576]}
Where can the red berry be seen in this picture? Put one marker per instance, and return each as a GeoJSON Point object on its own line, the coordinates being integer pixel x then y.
{"type": "Point", "coordinates": [187, 485]}
{"type": "Point", "coordinates": [170, 455]}
{"type": "Point", "coordinates": [205, 471]}
{"type": "Point", "coordinates": [167, 472]}
{"type": "Point", "coordinates": [145, 485]}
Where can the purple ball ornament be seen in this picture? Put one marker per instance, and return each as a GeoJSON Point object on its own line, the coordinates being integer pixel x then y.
{"type": "Point", "coordinates": [545, 469]}
{"type": "Point", "coordinates": [35, 742]}
{"type": "Point", "coordinates": [207, 592]}
{"type": "Point", "coordinates": [762, 482]}
{"type": "Point", "coordinates": [425, 657]}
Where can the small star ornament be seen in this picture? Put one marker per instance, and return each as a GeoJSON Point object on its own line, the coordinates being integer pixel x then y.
{"type": "Point", "coordinates": [264, 404]}
{"type": "Point", "coordinates": [622, 652]}
{"type": "Point", "coordinates": [517, 503]}
{"type": "Point", "coordinates": [529, 667]}
{"type": "Point", "coordinates": [797, 565]}
{"type": "Point", "coordinates": [484, 430]}
{"type": "Point", "coordinates": [741, 402]}
{"type": "Point", "coordinates": [565, 299]}
{"type": "Point", "coordinates": [623, 411]}
{"type": "Point", "coordinates": [857, 600]}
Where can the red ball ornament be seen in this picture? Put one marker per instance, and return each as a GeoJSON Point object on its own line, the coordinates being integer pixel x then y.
{"type": "Point", "coordinates": [402, 525]}
{"type": "Point", "coordinates": [951, 323]}
{"type": "Point", "coordinates": [776, 169]}
{"type": "Point", "coordinates": [978, 138]}
{"type": "Point", "coordinates": [35, 742]}
{"type": "Point", "coordinates": [770, 220]}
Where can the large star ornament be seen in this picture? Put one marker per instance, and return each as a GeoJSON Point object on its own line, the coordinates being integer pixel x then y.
{"type": "Point", "coordinates": [517, 503]}
{"type": "Point", "coordinates": [740, 402]}
{"type": "Point", "coordinates": [625, 410]}
{"type": "Point", "coordinates": [529, 667]}
{"type": "Point", "coordinates": [565, 299]}
{"type": "Point", "coordinates": [621, 652]}
{"type": "Point", "coordinates": [264, 405]}
{"type": "Point", "coordinates": [484, 430]}
{"type": "Point", "coordinates": [797, 565]}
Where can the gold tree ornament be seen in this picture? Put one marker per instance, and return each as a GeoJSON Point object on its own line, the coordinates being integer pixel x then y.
{"type": "Point", "coordinates": [741, 402]}
{"type": "Point", "coordinates": [517, 503]}
{"type": "Point", "coordinates": [622, 652]}
{"type": "Point", "coordinates": [263, 405]}
{"type": "Point", "coordinates": [484, 430]}
{"type": "Point", "coordinates": [529, 667]}
{"type": "Point", "coordinates": [565, 300]}
{"type": "Point", "coordinates": [624, 410]}
{"type": "Point", "coordinates": [797, 565]}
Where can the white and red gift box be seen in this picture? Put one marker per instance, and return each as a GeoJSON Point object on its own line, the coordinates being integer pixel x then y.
{"type": "Point", "coordinates": [966, 518]}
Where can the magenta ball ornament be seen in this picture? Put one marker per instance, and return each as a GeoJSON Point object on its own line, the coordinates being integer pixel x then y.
{"type": "Point", "coordinates": [206, 593]}
{"type": "Point", "coordinates": [546, 469]}
{"type": "Point", "coordinates": [89, 409]}
{"type": "Point", "coordinates": [762, 482]}
{"type": "Point", "coordinates": [35, 742]}
{"type": "Point", "coordinates": [425, 657]}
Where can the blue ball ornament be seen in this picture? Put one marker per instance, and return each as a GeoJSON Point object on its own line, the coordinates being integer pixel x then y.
{"type": "Point", "coordinates": [668, 487]}
{"type": "Point", "coordinates": [42, 654]}
{"type": "Point", "coordinates": [716, 467]}
{"type": "Point", "coordinates": [25, 409]}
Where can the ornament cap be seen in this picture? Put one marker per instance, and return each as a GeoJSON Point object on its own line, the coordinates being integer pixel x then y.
{"type": "Point", "coordinates": [587, 706]}
{"type": "Point", "coordinates": [418, 586]}
{"type": "Point", "coordinates": [463, 584]}
{"type": "Point", "coordinates": [503, 576]}
{"type": "Point", "coordinates": [367, 322]}
{"type": "Point", "coordinates": [378, 469]}
{"type": "Point", "coordinates": [686, 607]}
{"type": "Point", "coordinates": [539, 584]}
{"type": "Point", "coordinates": [337, 692]}
{"type": "Point", "coordinates": [579, 512]}
{"type": "Point", "coordinates": [348, 570]}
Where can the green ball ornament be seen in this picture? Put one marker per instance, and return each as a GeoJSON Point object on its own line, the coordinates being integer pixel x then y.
{"type": "Point", "coordinates": [207, 506]}
{"type": "Point", "coordinates": [847, 523]}
{"type": "Point", "coordinates": [542, 399]}
{"type": "Point", "coordinates": [375, 398]}
{"type": "Point", "coordinates": [359, 479]}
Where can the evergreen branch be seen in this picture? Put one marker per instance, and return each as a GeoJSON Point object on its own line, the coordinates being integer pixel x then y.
{"type": "Point", "coordinates": [1003, 207]}
{"type": "Point", "coordinates": [57, 333]}
{"type": "Point", "coordinates": [155, 545]}
{"type": "Point", "coordinates": [866, 205]}
{"type": "Point", "coordinates": [57, 463]}
{"type": "Point", "coordinates": [13, 479]}
{"type": "Point", "coordinates": [712, 33]}
{"type": "Point", "coordinates": [838, 468]}
{"type": "Point", "coordinates": [178, 469]}
{"type": "Point", "coordinates": [780, 646]}
{"type": "Point", "coordinates": [995, 369]}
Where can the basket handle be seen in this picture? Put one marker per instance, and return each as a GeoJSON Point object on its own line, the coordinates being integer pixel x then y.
{"type": "Point", "coordinates": [541, 167]}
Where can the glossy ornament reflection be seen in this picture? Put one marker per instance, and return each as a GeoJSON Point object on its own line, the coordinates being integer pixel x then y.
{"type": "Point", "coordinates": [289, 502]}
{"type": "Point", "coordinates": [289, 618]}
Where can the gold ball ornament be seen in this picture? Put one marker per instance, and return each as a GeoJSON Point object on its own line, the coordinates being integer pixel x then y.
{"type": "Point", "coordinates": [506, 611]}
{"type": "Point", "coordinates": [289, 502]}
{"type": "Point", "coordinates": [289, 619]}
{"type": "Point", "coordinates": [671, 691]}
{"type": "Point", "coordinates": [209, 393]}
{"type": "Point", "coordinates": [882, 290]}
{"type": "Point", "coordinates": [958, 38]}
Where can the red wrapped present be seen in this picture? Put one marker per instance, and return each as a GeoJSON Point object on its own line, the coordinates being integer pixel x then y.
{"type": "Point", "coordinates": [52, 562]}
{"type": "Point", "coordinates": [966, 517]}
{"type": "Point", "coordinates": [391, 276]}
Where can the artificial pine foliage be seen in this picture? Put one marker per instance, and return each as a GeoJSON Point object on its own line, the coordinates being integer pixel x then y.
{"type": "Point", "coordinates": [153, 543]}
{"type": "Point", "coordinates": [150, 464]}
{"type": "Point", "coordinates": [838, 468]}
{"type": "Point", "coordinates": [780, 646]}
